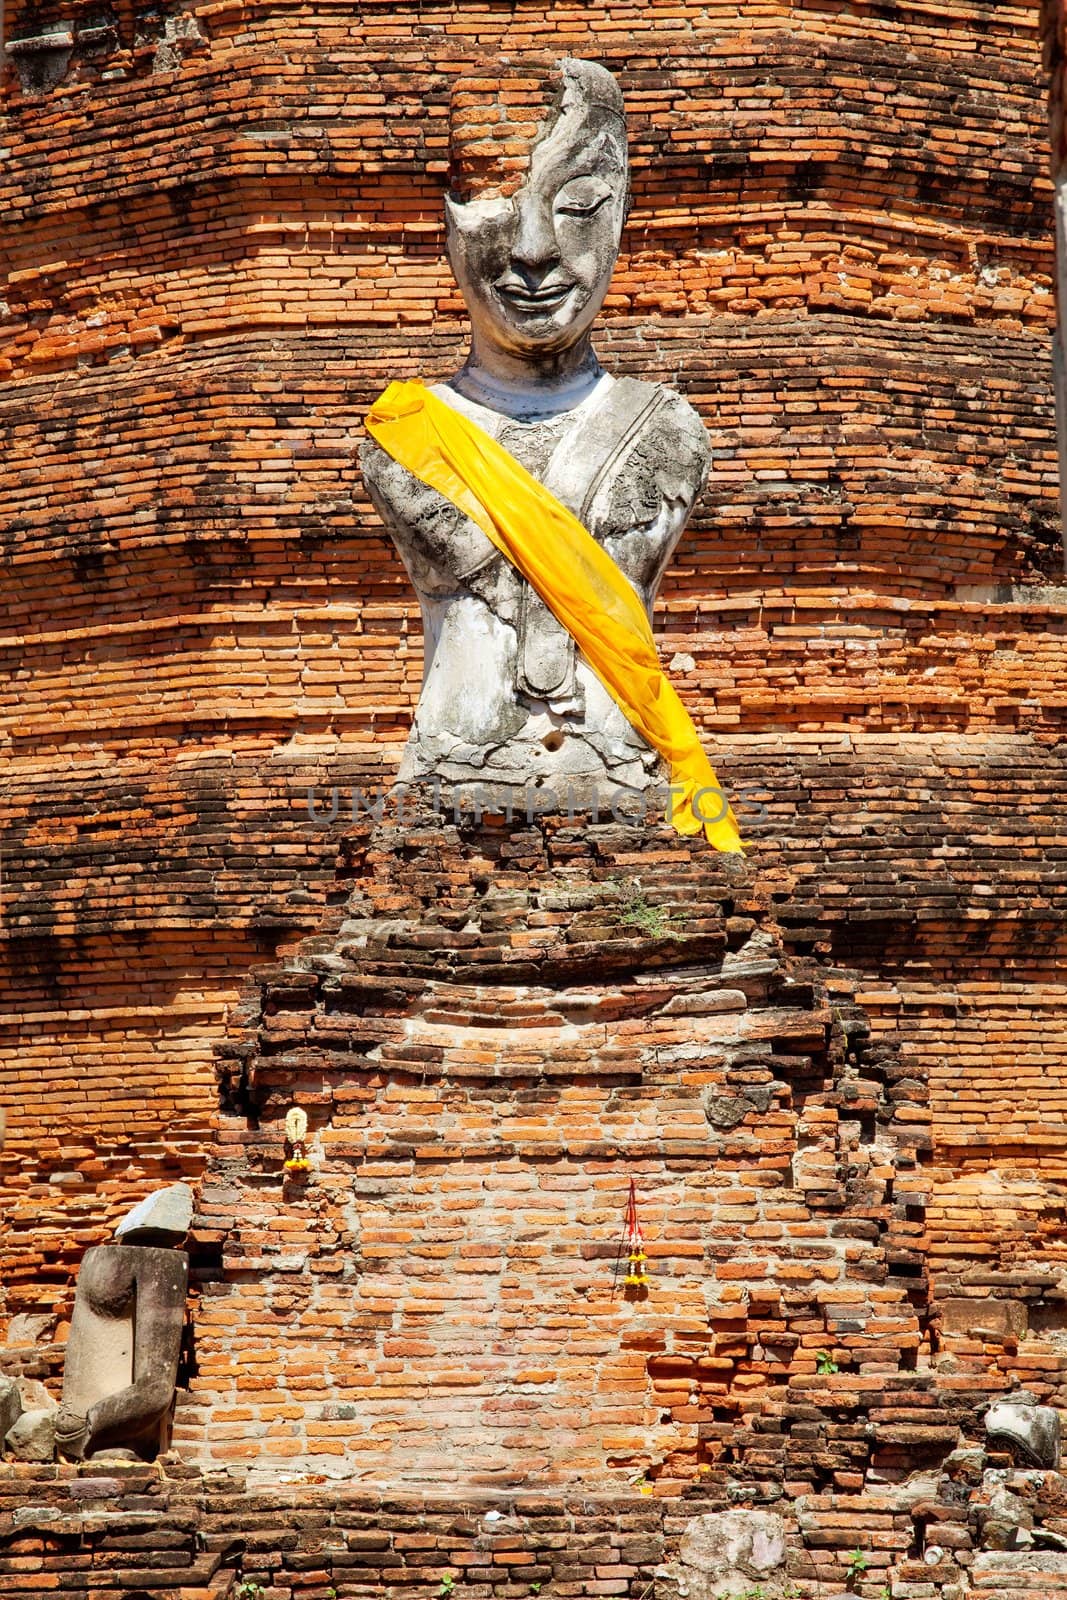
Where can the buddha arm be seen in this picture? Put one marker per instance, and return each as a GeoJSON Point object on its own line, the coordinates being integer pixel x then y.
{"type": "Point", "coordinates": [443, 550]}
{"type": "Point", "coordinates": [667, 472]}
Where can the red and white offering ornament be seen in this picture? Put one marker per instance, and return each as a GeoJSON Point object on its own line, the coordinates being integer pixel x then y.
{"type": "Point", "coordinates": [633, 1243]}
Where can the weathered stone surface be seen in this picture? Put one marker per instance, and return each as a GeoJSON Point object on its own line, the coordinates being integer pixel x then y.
{"type": "Point", "coordinates": [728, 1553]}
{"type": "Point", "coordinates": [707, 1003]}
{"type": "Point", "coordinates": [1030, 1573]}
{"type": "Point", "coordinates": [33, 1436]}
{"type": "Point", "coordinates": [159, 1219]}
{"type": "Point", "coordinates": [26, 1329]}
{"type": "Point", "coordinates": [729, 1110]}
{"type": "Point", "coordinates": [10, 1404]}
{"type": "Point", "coordinates": [122, 1354]}
{"type": "Point", "coordinates": [1004, 1519]}
{"type": "Point", "coordinates": [986, 1318]}
{"type": "Point", "coordinates": [35, 1397]}
{"type": "Point", "coordinates": [1031, 1432]}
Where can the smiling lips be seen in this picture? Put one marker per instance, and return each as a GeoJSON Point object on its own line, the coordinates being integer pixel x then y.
{"type": "Point", "coordinates": [523, 298]}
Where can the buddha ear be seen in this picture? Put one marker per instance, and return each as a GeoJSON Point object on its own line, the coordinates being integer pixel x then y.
{"type": "Point", "coordinates": [454, 229]}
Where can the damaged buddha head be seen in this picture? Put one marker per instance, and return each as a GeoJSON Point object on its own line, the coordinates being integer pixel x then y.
{"type": "Point", "coordinates": [538, 196]}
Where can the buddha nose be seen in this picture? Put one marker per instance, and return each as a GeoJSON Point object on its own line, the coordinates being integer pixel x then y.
{"type": "Point", "coordinates": [535, 248]}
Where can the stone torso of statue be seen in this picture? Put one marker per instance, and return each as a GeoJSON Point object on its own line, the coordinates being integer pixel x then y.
{"type": "Point", "coordinates": [125, 1334]}
{"type": "Point", "coordinates": [506, 697]}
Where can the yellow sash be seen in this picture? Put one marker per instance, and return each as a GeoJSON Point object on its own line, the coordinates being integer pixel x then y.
{"type": "Point", "coordinates": [575, 577]}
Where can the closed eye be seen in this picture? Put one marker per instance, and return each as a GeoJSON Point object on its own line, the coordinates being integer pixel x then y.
{"type": "Point", "coordinates": [572, 208]}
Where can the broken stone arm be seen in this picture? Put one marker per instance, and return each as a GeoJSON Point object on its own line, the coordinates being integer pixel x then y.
{"type": "Point", "coordinates": [441, 548]}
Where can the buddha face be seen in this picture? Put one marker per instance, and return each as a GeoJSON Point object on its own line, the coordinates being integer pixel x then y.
{"type": "Point", "coordinates": [534, 266]}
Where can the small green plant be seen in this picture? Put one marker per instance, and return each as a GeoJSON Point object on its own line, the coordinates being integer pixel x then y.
{"type": "Point", "coordinates": [535, 1588]}
{"type": "Point", "coordinates": [858, 1562]}
{"type": "Point", "coordinates": [247, 1590]}
{"type": "Point", "coordinates": [636, 911]}
{"type": "Point", "coordinates": [825, 1365]}
{"type": "Point", "coordinates": [448, 1583]}
{"type": "Point", "coordinates": [331, 1593]}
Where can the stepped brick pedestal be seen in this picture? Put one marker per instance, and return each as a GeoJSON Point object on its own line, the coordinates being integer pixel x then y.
{"type": "Point", "coordinates": [509, 1023]}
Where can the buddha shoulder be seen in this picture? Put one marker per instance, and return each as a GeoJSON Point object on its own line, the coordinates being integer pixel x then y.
{"type": "Point", "coordinates": [666, 458]}
{"type": "Point", "coordinates": [677, 437]}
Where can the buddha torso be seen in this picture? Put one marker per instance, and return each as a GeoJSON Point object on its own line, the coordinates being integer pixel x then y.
{"type": "Point", "coordinates": [506, 698]}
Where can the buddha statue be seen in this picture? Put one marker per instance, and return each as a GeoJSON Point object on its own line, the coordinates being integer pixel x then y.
{"type": "Point", "coordinates": [125, 1335]}
{"type": "Point", "coordinates": [538, 196]}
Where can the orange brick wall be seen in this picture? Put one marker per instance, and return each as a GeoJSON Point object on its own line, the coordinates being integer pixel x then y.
{"type": "Point", "coordinates": [223, 236]}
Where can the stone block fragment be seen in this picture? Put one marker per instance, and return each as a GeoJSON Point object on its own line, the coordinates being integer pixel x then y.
{"type": "Point", "coordinates": [727, 1553]}
{"type": "Point", "coordinates": [164, 1217]}
{"type": "Point", "coordinates": [35, 1397]}
{"type": "Point", "coordinates": [27, 1328]}
{"type": "Point", "coordinates": [10, 1404]}
{"type": "Point", "coordinates": [33, 1437]}
{"type": "Point", "coordinates": [992, 1320]}
{"type": "Point", "coordinates": [1031, 1432]}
